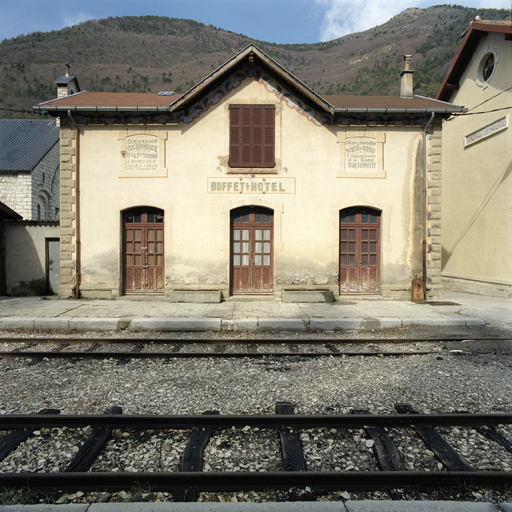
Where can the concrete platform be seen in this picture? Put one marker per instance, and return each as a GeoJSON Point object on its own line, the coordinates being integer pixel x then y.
{"type": "Point", "coordinates": [317, 506]}
{"type": "Point", "coordinates": [458, 309]}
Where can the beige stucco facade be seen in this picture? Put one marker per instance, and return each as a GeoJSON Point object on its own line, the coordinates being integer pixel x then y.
{"type": "Point", "coordinates": [27, 265]}
{"type": "Point", "coordinates": [477, 171]}
{"type": "Point", "coordinates": [188, 177]}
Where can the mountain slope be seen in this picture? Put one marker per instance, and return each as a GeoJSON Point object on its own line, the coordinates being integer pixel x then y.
{"type": "Point", "coordinates": [150, 53]}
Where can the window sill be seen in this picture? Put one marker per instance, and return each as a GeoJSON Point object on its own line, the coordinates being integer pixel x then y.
{"type": "Point", "coordinates": [252, 170]}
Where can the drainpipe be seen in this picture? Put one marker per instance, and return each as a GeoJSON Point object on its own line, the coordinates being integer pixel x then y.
{"type": "Point", "coordinates": [77, 208]}
{"type": "Point", "coordinates": [424, 241]}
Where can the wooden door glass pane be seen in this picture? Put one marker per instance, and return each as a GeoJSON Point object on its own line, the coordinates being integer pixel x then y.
{"type": "Point", "coordinates": [359, 250]}
{"type": "Point", "coordinates": [251, 249]}
{"type": "Point", "coordinates": [143, 248]}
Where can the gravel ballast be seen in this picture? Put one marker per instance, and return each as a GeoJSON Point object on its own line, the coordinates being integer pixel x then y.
{"type": "Point", "coordinates": [440, 382]}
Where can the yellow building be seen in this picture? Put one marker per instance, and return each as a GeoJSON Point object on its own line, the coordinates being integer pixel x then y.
{"type": "Point", "coordinates": [250, 183]}
{"type": "Point", "coordinates": [477, 163]}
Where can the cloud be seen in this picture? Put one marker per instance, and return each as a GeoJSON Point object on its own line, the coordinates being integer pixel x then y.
{"type": "Point", "coordinates": [344, 17]}
{"type": "Point", "coordinates": [347, 17]}
{"type": "Point", "coordinates": [76, 18]}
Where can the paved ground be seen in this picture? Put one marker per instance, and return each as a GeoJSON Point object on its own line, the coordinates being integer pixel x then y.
{"type": "Point", "coordinates": [349, 506]}
{"type": "Point", "coordinates": [52, 313]}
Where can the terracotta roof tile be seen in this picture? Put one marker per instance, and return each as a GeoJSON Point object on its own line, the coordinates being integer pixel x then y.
{"type": "Point", "coordinates": [112, 99]}
{"type": "Point", "coordinates": [384, 102]}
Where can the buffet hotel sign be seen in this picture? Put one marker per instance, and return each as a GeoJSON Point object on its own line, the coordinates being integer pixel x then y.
{"type": "Point", "coordinates": [251, 185]}
{"type": "Point", "coordinates": [486, 131]}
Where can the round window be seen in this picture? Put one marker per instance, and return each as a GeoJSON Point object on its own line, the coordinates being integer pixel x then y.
{"type": "Point", "coordinates": [486, 68]}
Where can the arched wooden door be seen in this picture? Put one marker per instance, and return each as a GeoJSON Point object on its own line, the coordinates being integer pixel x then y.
{"type": "Point", "coordinates": [359, 250]}
{"type": "Point", "coordinates": [252, 251]}
{"type": "Point", "coordinates": [143, 251]}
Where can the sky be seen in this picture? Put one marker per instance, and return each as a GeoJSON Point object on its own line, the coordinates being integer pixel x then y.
{"type": "Point", "coordinates": [273, 21]}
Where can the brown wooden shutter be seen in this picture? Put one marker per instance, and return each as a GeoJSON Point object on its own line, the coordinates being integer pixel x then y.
{"type": "Point", "coordinates": [252, 136]}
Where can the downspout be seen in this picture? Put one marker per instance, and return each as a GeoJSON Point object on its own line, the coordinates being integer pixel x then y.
{"type": "Point", "coordinates": [77, 208]}
{"type": "Point", "coordinates": [424, 241]}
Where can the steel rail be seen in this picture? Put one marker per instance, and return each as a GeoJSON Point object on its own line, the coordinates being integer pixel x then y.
{"type": "Point", "coordinates": [231, 481]}
{"type": "Point", "coordinates": [190, 355]}
{"type": "Point", "coordinates": [348, 421]}
{"type": "Point", "coordinates": [261, 341]}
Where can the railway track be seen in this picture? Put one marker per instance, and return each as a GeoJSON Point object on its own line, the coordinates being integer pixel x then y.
{"type": "Point", "coordinates": [144, 348]}
{"type": "Point", "coordinates": [379, 433]}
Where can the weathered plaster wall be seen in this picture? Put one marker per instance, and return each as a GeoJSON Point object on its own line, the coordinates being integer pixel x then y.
{"type": "Point", "coordinates": [197, 225]}
{"type": "Point", "coordinates": [477, 181]}
{"type": "Point", "coordinates": [25, 249]}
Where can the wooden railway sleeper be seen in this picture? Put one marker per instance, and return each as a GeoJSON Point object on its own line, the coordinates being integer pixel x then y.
{"type": "Point", "coordinates": [92, 447]}
{"type": "Point", "coordinates": [193, 457]}
{"type": "Point", "coordinates": [389, 457]}
{"type": "Point", "coordinates": [10, 442]}
{"type": "Point", "coordinates": [437, 443]}
{"type": "Point", "coordinates": [291, 448]}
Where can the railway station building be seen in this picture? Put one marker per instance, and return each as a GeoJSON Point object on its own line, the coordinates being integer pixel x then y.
{"type": "Point", "coordinates": [250, 184]}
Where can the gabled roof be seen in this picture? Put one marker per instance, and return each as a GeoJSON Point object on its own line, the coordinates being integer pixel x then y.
{"type": "Point", "coordinates": [23, 143]}
{"type": "Point", "coordinates": [252, 55]}
{"type": "Point", "coordinates": [477, 30]}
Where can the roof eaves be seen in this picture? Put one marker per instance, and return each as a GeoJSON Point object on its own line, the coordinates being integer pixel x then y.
{"type": "Point", "coordinates": [98, 108]}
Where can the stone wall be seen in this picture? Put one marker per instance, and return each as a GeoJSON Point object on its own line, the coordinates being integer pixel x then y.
{"type": "Point", "coordinates": [45, 187]}
{"type": "Point", "coordinates": [433, 285]}
{"type": "Point", "coordinates": [68, 140]}
{"type": "Point", "coordinates": [15, 192]}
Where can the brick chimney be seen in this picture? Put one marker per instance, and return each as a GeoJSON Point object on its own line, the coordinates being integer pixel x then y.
{"type": "Point", "coordinates": [406, 87]}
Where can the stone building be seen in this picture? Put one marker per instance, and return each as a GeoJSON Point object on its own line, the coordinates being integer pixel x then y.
{"type": "Point", "coordinates": [250, 184]}
{"type": "Point", "coordinates": [29, 186]}
{"type": "Point", "coordinates": [477, 163]}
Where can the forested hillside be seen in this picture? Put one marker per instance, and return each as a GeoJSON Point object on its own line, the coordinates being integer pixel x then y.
{"type": "Point", "coordinates": [153, 54]}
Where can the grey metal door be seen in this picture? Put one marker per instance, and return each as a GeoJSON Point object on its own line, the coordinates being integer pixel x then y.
{"type": "Point", "coordinates": [52, 265]}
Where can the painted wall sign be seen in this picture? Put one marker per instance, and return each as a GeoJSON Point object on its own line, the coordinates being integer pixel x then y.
{"type": "Point", "coordinates": [360, 154]}
{"type": "Point", "coordinates": [251, 185]}
{"type": "Point", "coordinates": [486, 131]}
{"type": "Point", "coordinates": [142, 153]}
